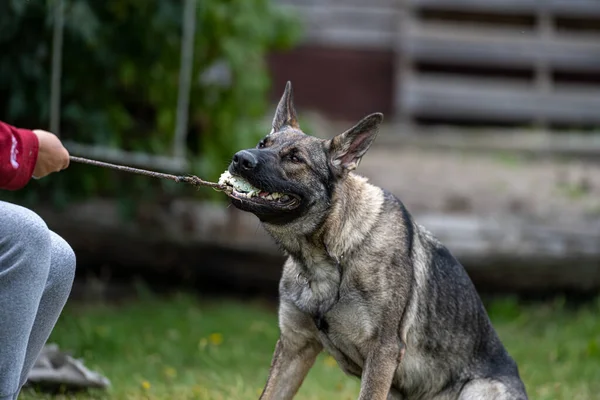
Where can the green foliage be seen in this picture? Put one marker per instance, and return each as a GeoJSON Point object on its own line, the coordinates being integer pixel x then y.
{"type": "Point", "coordinates": [121, 61]}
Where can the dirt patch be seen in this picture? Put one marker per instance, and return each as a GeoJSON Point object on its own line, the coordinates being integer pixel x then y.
{"type": "Point", "coordinates": [554, 191]}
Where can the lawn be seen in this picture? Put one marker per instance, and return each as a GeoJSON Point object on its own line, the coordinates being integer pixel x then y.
{"type": "Point", "coordinates": [185, 348]}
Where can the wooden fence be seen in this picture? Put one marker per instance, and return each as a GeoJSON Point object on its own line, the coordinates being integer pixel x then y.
{"type": "Point", "coordinates": [504, 62]}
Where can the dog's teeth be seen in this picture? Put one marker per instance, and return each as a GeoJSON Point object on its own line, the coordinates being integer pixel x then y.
{"type": "Point", "coordinates": [285, 197]}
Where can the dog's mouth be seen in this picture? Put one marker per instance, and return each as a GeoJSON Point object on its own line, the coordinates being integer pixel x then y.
{"type": "Point", "coordinates": [240, 189]}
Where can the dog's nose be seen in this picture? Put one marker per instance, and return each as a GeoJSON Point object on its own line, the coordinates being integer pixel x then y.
{"type": "Point", "coordinates": [245, 160]}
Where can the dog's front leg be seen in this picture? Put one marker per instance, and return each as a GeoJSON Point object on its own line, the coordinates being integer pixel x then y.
{"type": "Point", "coordinates": [292, 360]}
{"type": "Point", "coordinates": [379, 369]}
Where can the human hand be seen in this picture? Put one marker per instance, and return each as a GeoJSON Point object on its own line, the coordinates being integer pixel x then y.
{"type": "Point", "coordinates": [52, 155]}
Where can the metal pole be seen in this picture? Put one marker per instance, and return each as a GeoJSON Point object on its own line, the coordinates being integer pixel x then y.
{"type": "Point", "coordinates": [57, 43]}
{"type": "Point", "coordinates": [185, 77]}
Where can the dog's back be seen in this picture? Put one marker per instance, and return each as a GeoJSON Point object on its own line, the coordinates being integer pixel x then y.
{"type": "Point", "coordinates": [451, 346]}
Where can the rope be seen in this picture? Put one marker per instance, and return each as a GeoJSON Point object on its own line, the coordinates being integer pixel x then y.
{"type": "Point", "coordinates": [190, 179]}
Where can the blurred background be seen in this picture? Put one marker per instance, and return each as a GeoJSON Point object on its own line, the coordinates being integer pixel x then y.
{"type": "Point", "coordinates": [491, 138]}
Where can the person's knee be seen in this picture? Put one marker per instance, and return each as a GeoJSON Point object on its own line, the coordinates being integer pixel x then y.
{"type": "Point", "coordinates": [62, 265]}
{"type": "Point", "coordinates": [26, 242]}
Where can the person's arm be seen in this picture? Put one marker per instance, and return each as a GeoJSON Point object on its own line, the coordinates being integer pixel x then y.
{"type": "Point", "coordinates": [25, 154]}
{"type": "Point", "coordinates": [18, 156]}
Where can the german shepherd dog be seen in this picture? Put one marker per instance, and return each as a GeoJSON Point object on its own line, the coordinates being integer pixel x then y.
{"type": "Point", "coordinates": [362, 279]}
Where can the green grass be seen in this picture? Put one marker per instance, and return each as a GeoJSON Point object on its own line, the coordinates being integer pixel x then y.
{"type": "Point", "coordinates": [184, 348]}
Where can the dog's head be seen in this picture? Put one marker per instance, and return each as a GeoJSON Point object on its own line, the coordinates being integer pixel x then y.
{"type": "Point", "coordinates": [290, 174]}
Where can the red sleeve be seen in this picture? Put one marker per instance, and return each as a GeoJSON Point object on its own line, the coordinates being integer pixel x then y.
{"type": "Point", "coordinates": [18, 155]}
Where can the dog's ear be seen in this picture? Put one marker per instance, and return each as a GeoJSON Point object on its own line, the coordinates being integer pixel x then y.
{"type": "Point", "coordinates": [285, 115]}
{"type": "Point", "coordinates": [347, 149]}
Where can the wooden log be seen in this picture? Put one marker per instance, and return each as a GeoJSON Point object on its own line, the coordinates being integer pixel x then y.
{"type": "Point", "coordinates": [214, 246]}
{"type": "Point", "coordinates": [369, 18]}
{"type": "Point", "coordinates": [499, 99]}
{"type": "Point", "coordinates": [534, 144]}
{"type": "Point", "coordinates": [567, 8]}
{"type": "Point", "coordinates": [340, 3]}
{"type": "Point", "coordinates": [454, 44]}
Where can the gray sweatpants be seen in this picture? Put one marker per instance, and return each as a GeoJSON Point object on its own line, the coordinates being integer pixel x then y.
{"type": "Point", "coordinates": [37, 268]}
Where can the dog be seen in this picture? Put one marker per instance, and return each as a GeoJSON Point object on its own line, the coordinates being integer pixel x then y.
{"type": "Point", "coordinates": [362, 280]}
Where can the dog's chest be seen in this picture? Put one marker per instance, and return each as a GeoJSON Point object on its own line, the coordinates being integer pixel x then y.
{"type": "Point", "coordinates": [317, 293]}
{"type": "Point", "coordinates": [345, 330]}
{"type": "Point", "coordinates": [339, 311]}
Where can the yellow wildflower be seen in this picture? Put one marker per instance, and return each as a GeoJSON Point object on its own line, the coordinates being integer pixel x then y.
{"type": "Point", "coordinates": [330, 361]}
{"type": "Point", "coordinates": [170, 372]}
{"type": "Point", "coordinates": [215, 339]}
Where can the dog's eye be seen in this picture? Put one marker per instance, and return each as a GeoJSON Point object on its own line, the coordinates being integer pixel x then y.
{"type": "Point", "coordinates": [261, 144]}
{"type": "Point", "coordinates": [294, 158]}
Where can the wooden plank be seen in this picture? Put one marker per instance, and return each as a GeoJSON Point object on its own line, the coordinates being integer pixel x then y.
{"type": "Point", "coordinates": [508, 253]}
{"type": "Point", "coordinates": [317, 17]}
{"type": "Point", "coordinates": [535, 144]}
{"type": "Point", "coordinates": [334, 3]}
{"type": "Point", "coordinates": [351, 38]}
{"type": "Point", "coordinates": [298, 2]}
{"type": "Point", "coordinates": [451, 44]}
{"type": "Point", "coordinates": [474, 6]}
{"type": "Point", "coordinates": [448, 97]}
{"type": "Point", "coordinates": [471, 235]}
{"type": "Point", "coordinates": [454, 44]}
{"type": "Point", "coordinates": [342, 25]}
{"type": "Point", "coordinates": [565, 8]}
{"type": "Point", "coordinates": [458, 97]}
{"type": "Point", "coordinates": [575, 8]}
{"type": "Point", "coordinates": [365, 4]}
{"type": "Point", "coordinates": [571, 106]}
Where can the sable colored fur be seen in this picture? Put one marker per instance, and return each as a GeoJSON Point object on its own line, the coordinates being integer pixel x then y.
{"type": "Point", "coordinates": [363, 280]}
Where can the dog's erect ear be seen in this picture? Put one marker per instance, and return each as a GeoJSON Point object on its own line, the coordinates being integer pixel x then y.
{"type": "Point", "coordinates": [347, 149]}
{"type": "Point", "coordinates": [285, 115]}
